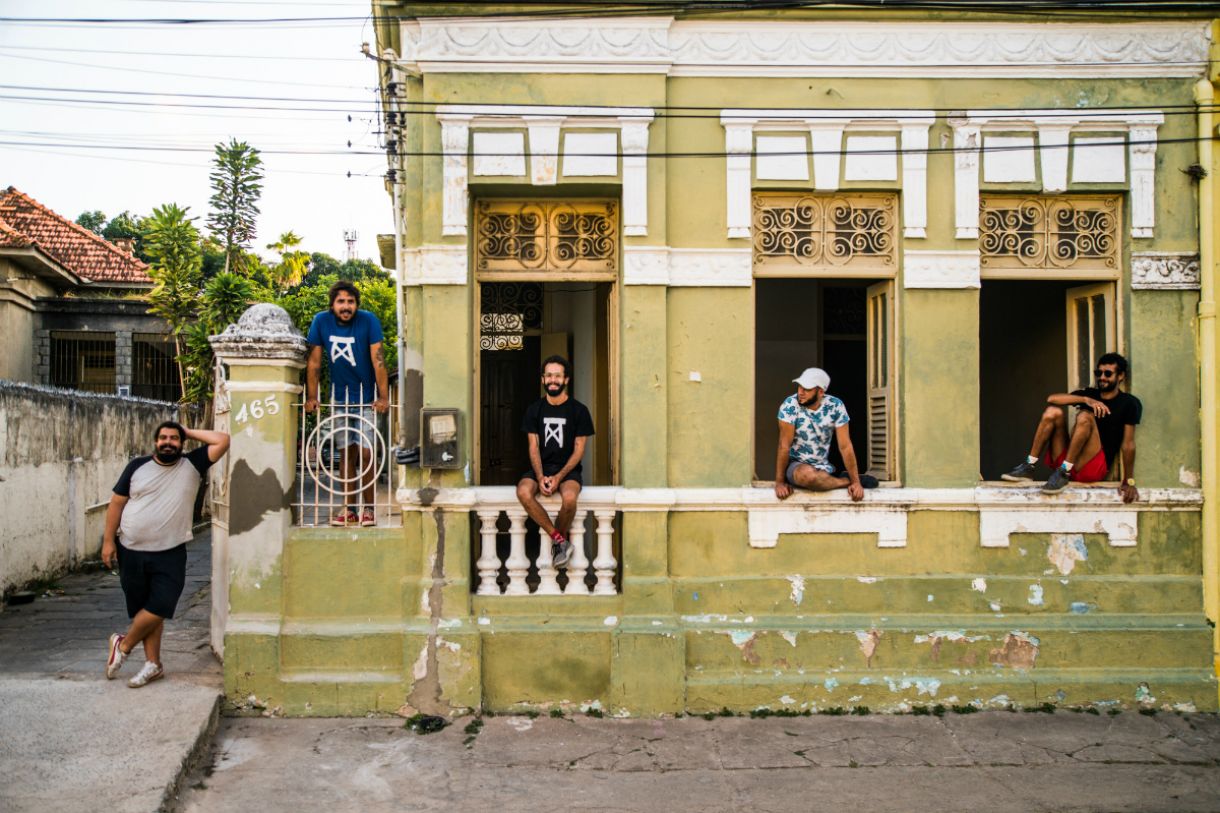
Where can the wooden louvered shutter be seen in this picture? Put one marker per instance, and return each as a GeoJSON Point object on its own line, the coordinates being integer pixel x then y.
{"type": "Point", "coordinates": [881, 380]}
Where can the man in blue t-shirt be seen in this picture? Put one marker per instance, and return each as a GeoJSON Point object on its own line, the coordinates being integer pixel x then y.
{"type": "Point", "coordinates": [351, 339]}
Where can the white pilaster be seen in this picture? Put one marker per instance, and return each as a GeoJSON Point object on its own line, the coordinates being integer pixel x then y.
{"type": "Point", "coordinates": [915, 180]}
{"type": "Point", "coordinates": [1053, 140]}
{"type": "Point", "coordinates": [966, 180]}
{"type": "Point", "coordinates": [739, 145]}
{"type": "Point", "coordinates": [634, 138]}
{"type": "Point", "coordinates": [544, 151]}
{"type": "Point", "coordinates": [827, 141]}
{"type": "Point", "coordinates": [1143, 181]}
{"type": "Point", "coordinates": [455, 141]}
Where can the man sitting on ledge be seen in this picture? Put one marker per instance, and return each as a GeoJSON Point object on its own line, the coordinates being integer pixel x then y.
{"type": "Point", "coordinates": [1105, 423]}
{"type": "Point", "coordinates": [806, 422]}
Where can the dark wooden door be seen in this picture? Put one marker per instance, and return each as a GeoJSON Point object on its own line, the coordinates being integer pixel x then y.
{"type": "Point", "coordinates": [509, 381]}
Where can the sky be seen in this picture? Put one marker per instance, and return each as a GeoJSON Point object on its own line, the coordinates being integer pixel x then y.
{"type": "Point", "coordinates": [74, 148]}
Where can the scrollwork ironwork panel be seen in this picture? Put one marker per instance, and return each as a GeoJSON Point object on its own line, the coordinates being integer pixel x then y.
{"type": "Point", "coordinates": [517, 236]}
{"type": "Point", "coordinates": [507, 310]}
{"type": "Point", "coordinates": [1044, 232]}
{"type": "Point", "coordinates": [809, 232]}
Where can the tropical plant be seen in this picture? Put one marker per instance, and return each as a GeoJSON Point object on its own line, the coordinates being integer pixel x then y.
{"type": "Point", "coordinates": [94, 221]}
{"type": "Point", "coordinates": [293, 264]}
{"type": "Point", "coordinates": [236, 187]}
{"type": "Point", "coordinates": [171, 242]}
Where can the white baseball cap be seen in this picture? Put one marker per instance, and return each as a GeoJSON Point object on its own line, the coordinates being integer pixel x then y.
{"type": "Point", "coordinates": [813, 378]}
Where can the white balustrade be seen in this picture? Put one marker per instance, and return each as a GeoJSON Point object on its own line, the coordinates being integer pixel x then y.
{"type": "Point", "coordinates": [518, 562]}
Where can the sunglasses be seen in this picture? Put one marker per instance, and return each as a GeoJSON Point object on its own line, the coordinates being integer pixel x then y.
{"type": "Point", "coordinates": [1106, 373]}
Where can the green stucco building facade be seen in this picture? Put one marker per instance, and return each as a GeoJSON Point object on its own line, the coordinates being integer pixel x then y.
{"type": "Point", "coordinates": [954, 216]}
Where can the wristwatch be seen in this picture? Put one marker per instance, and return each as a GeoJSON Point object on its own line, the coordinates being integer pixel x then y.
{"type": "Point", "coordinates": [1130, 481]}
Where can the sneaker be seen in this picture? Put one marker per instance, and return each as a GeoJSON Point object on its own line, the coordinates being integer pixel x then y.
{"type": "Point", "coordinates": [1058, 479]}
{"type": "Point", "coordinates": [1023, 473]}
{"type": "Point", "coordinates": [148, 673]}
{"type": "Point", "coordinates": [561, 552]}
{"type": "Point", "coordinates": [368, 519]}
{"type": "Point", "coordinates": [115, 657]}
{"type": "Point", "coordinates": [866, 480]}
{"type": "Point", "coordinates": [344, 518]}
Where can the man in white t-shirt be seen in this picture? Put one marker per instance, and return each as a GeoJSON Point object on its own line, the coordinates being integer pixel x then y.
{"type": "Point", "coordinates": [150, 512]}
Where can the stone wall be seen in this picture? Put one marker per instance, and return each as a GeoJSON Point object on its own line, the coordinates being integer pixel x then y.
{"type": "Point", "coordinates": [60, 454]}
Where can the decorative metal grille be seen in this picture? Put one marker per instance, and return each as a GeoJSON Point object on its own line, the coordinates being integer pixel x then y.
{"type": "Point", "coordinates": [526, 236]}
{"type": "Point", "coordinates": [507, 310]}
{"type": "Point", "coordinates": [806, 232]}
{"type": "Point", "coordinates": [1022, 233]}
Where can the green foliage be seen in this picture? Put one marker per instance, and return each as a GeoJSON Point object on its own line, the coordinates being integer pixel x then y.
{"type": "Point", "coordinates": [93, 221]}
{"type": "Point", "coordinates": [236, 187]}
{"type": "Point", "coordinates": [172, 244]}
{"type": "Point", "coordinates": [380, 297]}
{"type": "Point", "coordinates": [290, 270]}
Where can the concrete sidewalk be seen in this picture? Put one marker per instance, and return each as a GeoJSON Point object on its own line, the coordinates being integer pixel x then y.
{"type": "Point", "coordinates": [70, 740]}
{"type": "Point", "coordinates": [992, 761]}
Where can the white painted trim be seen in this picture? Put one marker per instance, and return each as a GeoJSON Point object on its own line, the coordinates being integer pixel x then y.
{"type": "Point", "coordinates": [1120, 524]}
{"type": "Point", "coordinates": [455, 142]}
{"type": "Point", "coordinates": [435, 265]}
{"type": "Point", "coordinates": [940, 269]}
{"type": "Point", "coordinates": [827, 141]}
{"type": "Point", "coordinates": [498, 154]}
{"type": "Point", "coordinates": [915, 180]}
{"type": "Point", "coordinates": [645, 265]}
{"type": "Point", "coordinates": [258, 386]}
{"type": "Point", "coordinates": [258, 362]}
{"type": "Point", "coordinates": [711, 267]}
{"type": "Point", "coordinates": [765, 527]}
{"type": "Point", "coordinates": [805, 48]}
{"type": "Point", "coordinates": [544, 151]}
{"type": "Point", "coordinates": [1142, 158]}
{"type": "Point", "coordinates": [966, 138]}
{"type": "Point", "coordinates": [633, 136]}
{"type": "Point", "coordinates": [1165, 271]}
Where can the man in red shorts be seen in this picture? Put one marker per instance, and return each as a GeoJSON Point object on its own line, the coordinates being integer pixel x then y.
{"type": "Point", "coordinates": [1105, 424]}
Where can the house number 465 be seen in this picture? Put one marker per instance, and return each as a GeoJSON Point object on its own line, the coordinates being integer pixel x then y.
{"type": "Point", "coordinates": [257, 409]}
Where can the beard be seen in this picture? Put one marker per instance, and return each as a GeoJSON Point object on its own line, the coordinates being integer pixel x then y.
{"type": "Point", "coordinates": [167, 454]}
{"type": "Point", "coordinates": [1107, 385]}
{"type": "Point", "coordinates": [555, 389]}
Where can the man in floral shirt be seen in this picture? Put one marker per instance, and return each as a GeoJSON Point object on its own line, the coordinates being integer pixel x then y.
{"type": "Point", "coordinates": [807, 420]}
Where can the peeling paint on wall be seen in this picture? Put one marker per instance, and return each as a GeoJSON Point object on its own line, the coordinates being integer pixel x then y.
{"type": "Point", "coordinates": [979, 585]}
{"type": "Point", "coordinates": [790, 637]}
{"type": "Point", "coordinates": [1035, 595]}
{"type": "Point", "coordinates": [798, 589]}
{"type": "Point", "coordinates": [1019, 651]}
{"type": "Point", "coordinates": [1065, 550]}
{"type": "Point", "coordinates": [868, 643]}
{"type": "Point", "coordinates": [1188, 478]}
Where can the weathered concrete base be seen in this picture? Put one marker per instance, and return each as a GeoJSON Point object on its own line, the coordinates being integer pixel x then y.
{"type": "Point", "coordinates": [992, 761]}
{"type": "Point", "coordinates": [92, 744]}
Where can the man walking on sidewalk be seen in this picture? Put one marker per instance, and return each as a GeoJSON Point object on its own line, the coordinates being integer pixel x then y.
{"type": "Point", "coordinates": [151, 513]}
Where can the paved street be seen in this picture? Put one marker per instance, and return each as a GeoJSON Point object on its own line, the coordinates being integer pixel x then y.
{"type": "Point", "coordinates": [994, 761]}
{"type": "Point", "coordinates": [70, 740]}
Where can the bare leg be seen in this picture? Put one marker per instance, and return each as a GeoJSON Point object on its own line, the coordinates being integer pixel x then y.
{"type": "Point", "coordinates": [1085, 442]}
{"type": "Point", "coordinates": [527, 491]}
{"type": "Point", "coordinates": [814, 479]}
{"type": "Point", "coordinates": [1052, 429]}
{"type": "Point", "coordinates": [152, 643]}
{"type": "Point", "coordinates": [569, 490]}
{"type": "Point", "coordinates": [370, 483]}
{"type": "Point", "coordinates": [142, 626]}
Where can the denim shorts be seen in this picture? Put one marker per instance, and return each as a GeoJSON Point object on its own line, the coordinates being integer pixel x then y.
{"type": "Point", "coordinates": [354, 426]}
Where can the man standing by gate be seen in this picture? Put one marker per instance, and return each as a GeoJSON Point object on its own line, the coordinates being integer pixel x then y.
{"type": "Point", "coordinates": [558, 426]}
{"type": "Point", "coordinates": [359, 386]}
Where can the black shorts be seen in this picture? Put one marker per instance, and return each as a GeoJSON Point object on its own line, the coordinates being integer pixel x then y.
{"type": "Point", "coordinates": [572, 477]}
{"type": "Point", "coordinates": [152, 580]}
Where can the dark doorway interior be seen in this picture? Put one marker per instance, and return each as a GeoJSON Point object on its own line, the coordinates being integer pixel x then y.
{"type": "Point", "coordinates": [1022, 359]}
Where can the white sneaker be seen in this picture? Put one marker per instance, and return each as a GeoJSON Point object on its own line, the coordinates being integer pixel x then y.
{"type": "Point", "coordinates": [148, 673]}
{"type": "Point", "coordinates": [115, 656]}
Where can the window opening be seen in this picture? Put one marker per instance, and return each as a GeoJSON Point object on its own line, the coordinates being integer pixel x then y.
{"type": "Point", "coordinates": [83, 360]}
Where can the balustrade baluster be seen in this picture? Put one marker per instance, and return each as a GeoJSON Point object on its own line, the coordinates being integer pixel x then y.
{"type": "Point", "coordinates": [547, 584]}
{"type": "Point", "coordinates": [578, 565]}
{"type": "Point", "coordinates": [605, 562]}
{"type": "Point", "coordinates": [488, 563]}
{"type": "Point", "coordinates": [517, 563]}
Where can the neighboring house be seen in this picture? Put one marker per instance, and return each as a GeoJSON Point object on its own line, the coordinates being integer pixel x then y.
{"type": "Point", "coordinates": [953, 214]}
{"type": "Point", "coordinates": [72, 309]}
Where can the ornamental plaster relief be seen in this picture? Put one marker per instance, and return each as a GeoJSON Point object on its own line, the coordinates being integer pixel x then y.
{"type": "Point", "coordinates": [1092, 157]}
{"type": "Point", "coordinates": [867, 156]}
{"type": "Point", "coordinates": [687, 267]}
{"type": "Point", "coordinates": [586, 153]}
{"type": "Point", "coordinates": [940, 269]}
{"type": "Point", "coordinates": [1165, 271]}
{"type": "Point", "coordinates": [804, 48]}
{"type": "Point", "coordinates": [435, 265]}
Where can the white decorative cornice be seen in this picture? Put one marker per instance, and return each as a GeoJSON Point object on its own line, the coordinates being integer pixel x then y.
{"type": "Point", "coordinates": [940, 269]}
{"type": "Point", "coordinates": [435, 265]}
{"type": "Point", "coordinates": [711, 267]}
{"type": "Point", "coordinates": [544, 124]}
{"type": "Point", "coordinates": [805, 48]}
{"type": "Point", "coordinates": [826, 128]}
{"type": "Point", "coordinates": [1165, 271]}
{"type": "Point", "coordinates": [1055, 129]}
{"type": "Point", "coordinates": [645, 265]}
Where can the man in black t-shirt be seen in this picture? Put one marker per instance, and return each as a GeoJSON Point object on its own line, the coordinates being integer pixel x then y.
{"type": "Point", "coordinates": [1105, 424]}
{"type": "Point", "coordinates": [558, 427]}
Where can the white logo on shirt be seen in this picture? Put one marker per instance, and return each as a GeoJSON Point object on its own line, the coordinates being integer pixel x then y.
{"type": "Point", "coordinates": [552, 429]}
{"type": "Point", "coordinates": [341, 348]}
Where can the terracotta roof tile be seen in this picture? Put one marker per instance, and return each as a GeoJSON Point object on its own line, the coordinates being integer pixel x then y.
{"type": "Point", "coordinates": [76, 248]}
